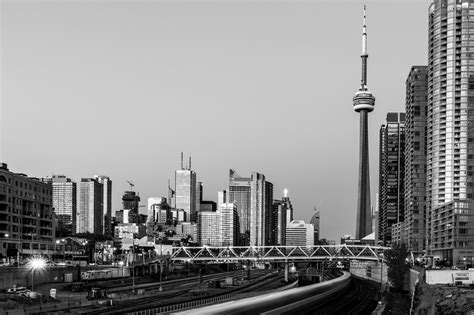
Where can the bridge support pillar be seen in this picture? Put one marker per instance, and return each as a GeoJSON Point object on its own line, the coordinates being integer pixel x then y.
{"type": "Point", "coordinates": [287, 267]}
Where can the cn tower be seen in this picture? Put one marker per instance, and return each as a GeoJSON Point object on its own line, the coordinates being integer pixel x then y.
{"type": "Point", "coordinates": [364, 103]}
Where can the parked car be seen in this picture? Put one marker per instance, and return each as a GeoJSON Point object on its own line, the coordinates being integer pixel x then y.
{"type": "Point", "coordinates": [30, 294]}
{"type": "Point", "coordinates": [17, 290]}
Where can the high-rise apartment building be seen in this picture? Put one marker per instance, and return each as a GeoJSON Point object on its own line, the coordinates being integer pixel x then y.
{"type": "Point", "coordinates": [229, 224]}
{"type": "Point", "coordinates": [392, 173]}
{"type": "Point", "coordinates": [364, 103]}
{"type": "Point", "coordinates": [257, 210]}
{"type": "Point", "coordinates": [27, 221]}
{"type": "Point", "coordinates": [298, 233]}
{"type": "Point", "coordinates": [106, 203]}
{"type": "Point", "coordinates": [209, 228]}
{"type": "Point", "coordinates": [185, 190]}
{"type": "Point", "coordinates": [64, 203]}
{"type": "Point", "coordinates": [450, 133]}
{"type": "Point", "coordinates": [90, 212]}
{"type": "Point", "coordinates": [415, 157]}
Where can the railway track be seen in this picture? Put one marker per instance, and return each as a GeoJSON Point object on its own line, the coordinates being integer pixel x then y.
{"type": "Point", "coordinates": [174, 292]}
{"type": "Point", "coordinates": [358, 298]}
{"type": "Point", "coordinates": [188, 297]}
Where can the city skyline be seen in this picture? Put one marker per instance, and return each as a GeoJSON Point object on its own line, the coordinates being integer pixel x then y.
{"type": "Point", "coordinates": [274, 140]}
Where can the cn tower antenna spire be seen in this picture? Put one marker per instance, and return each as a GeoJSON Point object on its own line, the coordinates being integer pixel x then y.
{"type": "Point", "coordinates": [364, 55]}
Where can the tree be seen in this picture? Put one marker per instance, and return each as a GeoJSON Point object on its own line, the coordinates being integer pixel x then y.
{"type": "Point", "coordinates": [397, 265]}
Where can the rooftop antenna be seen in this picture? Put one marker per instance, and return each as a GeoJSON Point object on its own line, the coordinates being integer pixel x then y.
{"type": "Point", "coordinates": [190, 161]}
{"type": "Point", "coordinates": [182, 161]}
{"type": "Point", "coordinates": [131, 184]}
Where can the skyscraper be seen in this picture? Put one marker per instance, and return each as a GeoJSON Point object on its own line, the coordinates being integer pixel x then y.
{"type": "Point", "coordinates": [106, 203]}
{"type": "Point", "coordinates": [229, 224]}
{"type": "Point", "coordinates": [253, 197]}
{"type": "Point", "coordinates": [364, 103]}
{"type": "Point", "coordinates": [239, 194]}
{"type": "Point", "coordinates": [199, 193]}
{"type": "Point", "coordinates": [90, 213]}
{"type": "Point", "coordinates": [131, 201]}
{"type": "Point", "coordinates": [269, 223]}
{"type": "Point", "coordinates": [279, 219]}
{"type": "Point", "coordinates": [288, 206]}
{"type": "Point", "coordinates": [257, 209]}
{"type": "Point", "coordinates": [392, 174]}
{"type": "Point", "coordinates": [415, 157]}
{"type": "Point", "coordinates": [315, 222]}
{"type": "Point", "coordinates": [185, 191]}
{"type": "Point", "coordinates": [450, 134]}
{"type": "Point", "coordinates": [64, 202]}
{"type": "Point", "coordinates": [209, 228]}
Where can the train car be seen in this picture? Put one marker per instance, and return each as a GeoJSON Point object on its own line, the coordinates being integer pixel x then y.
{"type": "Point", "coordinates": [462, 279]}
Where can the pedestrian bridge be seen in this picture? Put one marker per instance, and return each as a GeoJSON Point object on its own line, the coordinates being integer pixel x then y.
{"type": "Point", "coordinates": [278, 253]}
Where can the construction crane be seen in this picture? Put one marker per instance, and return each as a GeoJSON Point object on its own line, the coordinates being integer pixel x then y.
{"type": "Point", "coordinates": [131, 184]}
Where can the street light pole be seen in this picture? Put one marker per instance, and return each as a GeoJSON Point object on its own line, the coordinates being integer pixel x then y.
{"type": "Point", "coordinates": [133, 262]}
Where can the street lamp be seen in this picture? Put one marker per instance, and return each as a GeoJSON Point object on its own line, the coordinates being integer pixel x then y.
{"type": "Point", "coordinates": [35, 263]}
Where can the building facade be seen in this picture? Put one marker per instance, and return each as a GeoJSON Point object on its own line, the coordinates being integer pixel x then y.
{"type": "Point", "coordinates": [27, 220]}
{"type": "Point", "coordinates": [229, 226]}
{"type": "Point", "coordinates": [106, 203]}
{"type": "Point", "coordinates": [64, 203]}
{"type": "Point", "coordinates": [185, 191]}
{"type": "Point", "coordinates": [279, 219]}
{"type": "Point", "coordinates": [391, 175]}
{"type": "Point", "coordinates": [208, 228]}
{"type": "Point", "coordinates": [239, 194]}
{"type": "Point", "coordinates": [315, 221]}
{"type": "Point", "coordinates": [159, 211]}
{"type": "Point", "coordinates": [90, 212]}
{"type": "Point", "coordinates": [298, 233]}
{"type": "Point", "coordinates": [450, 133]}
{"type": "Point", "coordinates": [415, 157]}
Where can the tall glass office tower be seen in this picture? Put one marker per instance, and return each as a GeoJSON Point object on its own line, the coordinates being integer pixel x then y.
{"type": "Point", "coordinates": [392, 174]}
{"type": "Point", "coordinates": [185, 190]}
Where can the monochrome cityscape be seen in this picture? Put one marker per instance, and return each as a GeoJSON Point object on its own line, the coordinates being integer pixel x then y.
{"type": "Point", "coordinates": [67, 246]}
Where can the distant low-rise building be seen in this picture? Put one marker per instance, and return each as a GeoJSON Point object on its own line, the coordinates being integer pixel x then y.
{"type": "Point", "coordinates": [27, 220]}
{"type": "Point", "coordinates": [298, 233]}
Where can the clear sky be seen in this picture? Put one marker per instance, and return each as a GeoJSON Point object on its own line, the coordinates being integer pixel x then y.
{"type": "Point", "coordinates": [120, 88]}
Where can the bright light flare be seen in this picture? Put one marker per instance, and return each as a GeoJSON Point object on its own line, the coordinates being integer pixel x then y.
{"type": "Point", "coordinates": [36, 263]}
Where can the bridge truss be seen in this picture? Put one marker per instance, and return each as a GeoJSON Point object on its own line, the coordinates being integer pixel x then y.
{"type": "Point", "coordinates": [278, 253]}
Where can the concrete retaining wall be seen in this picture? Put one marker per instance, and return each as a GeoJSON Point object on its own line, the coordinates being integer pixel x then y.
{"type": "Point", "coordinates": [370, 270]}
